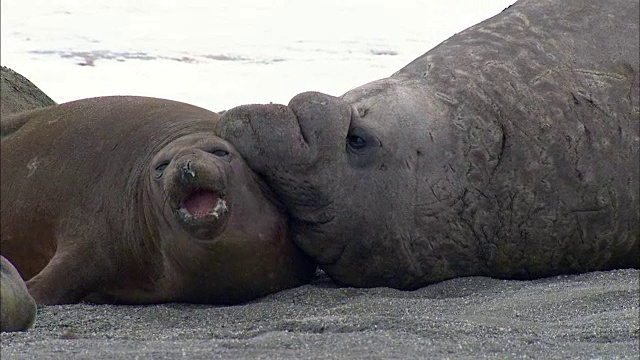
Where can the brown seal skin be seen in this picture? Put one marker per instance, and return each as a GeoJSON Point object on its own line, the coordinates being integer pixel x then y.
{"type": "Point", "coordinates": [17, 307]}
{"type": "Point", "coordinates": [510, 150]}
{"type": "Point", "coordinates": [135, 200]}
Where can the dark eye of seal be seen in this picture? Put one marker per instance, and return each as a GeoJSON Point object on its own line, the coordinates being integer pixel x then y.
{"type": "Point", "coordinates": [219, 153]}
{"type": "Point", "coordinates": [362, 146]}
{"type": "Point", "coordinates": [358, 140]}
{"type": "Point", "coordinates": [159, 170]}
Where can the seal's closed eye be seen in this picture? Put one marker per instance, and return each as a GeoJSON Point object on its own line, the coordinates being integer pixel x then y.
{"type": "Point", "coordinates": [220, 153]}
{"type": "Point", "coordinates": [159, 170]}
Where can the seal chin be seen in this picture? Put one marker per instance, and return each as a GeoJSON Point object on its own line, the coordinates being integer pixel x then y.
{"type": "Point", "coordinates": [203, 213]}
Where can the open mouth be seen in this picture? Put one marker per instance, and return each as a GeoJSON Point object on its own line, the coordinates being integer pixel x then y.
{"type": "Point", "coordinates": [203, 205]}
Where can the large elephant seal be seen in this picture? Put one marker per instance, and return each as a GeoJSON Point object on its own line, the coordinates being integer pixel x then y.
{"type": "Point", "coordinates": [135, 200]}
{"type": "Point", "coordinates": [509, 150]}
{"type": "Point", "coordinates": [17, 307]}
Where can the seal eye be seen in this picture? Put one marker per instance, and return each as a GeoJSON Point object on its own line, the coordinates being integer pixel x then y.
{"type": "Point", "coordinates": [363, 146]}
{"type": "Point", "coordinates": [356, 142]}
{"type": "Point", "coordinates": [159, 170]}
{"type": "Point", "coordinates": [358, 139]}
{"type": "Point", "coordinates": [220, 153]}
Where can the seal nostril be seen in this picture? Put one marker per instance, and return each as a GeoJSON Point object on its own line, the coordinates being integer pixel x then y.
{"type": "Point", "coordinates": [187, 169]}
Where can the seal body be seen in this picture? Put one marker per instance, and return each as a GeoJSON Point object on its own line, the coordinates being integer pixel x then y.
{"type": "Point", "coordinates": [135, 200]}
{"type": "Point", "coordinates": [509, 150]}
{"type": "Point", "coordinates": [17, 307]}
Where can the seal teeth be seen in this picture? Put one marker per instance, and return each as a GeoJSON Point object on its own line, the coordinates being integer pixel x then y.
{"type": "Point", "coordinates": [219, 208]}
{"type": "Point", "coordinates": [186, 214]}
{"type": "Point", "coordinates": [216, 211]}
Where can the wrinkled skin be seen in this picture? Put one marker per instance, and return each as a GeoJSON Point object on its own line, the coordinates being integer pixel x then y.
{"type": "Point", "coordinates": [509, 150]}
{"type": "Point", "coordinates": [135, 200]}
{"type": "Point", "coordinates": [17, 307]}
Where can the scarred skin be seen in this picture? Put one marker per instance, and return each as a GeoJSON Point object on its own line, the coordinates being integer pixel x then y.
{"type": "Point", "coordinates": [509, 150]}
{"type": "Point", "coordinates": [135, 200]}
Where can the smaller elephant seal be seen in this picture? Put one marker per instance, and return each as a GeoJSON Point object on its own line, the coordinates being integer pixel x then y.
{"type": "Point", "coordinates": [17, 307]}
{"type": "Point", "coordinates": [135, 200]}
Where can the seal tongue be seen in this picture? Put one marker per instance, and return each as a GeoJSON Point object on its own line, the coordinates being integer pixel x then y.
{"type": "Point", "coordinates": [200, 203]}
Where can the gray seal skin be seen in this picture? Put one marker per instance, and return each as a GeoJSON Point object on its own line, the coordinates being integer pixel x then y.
{"type": "Point", "coordinates": [509, 150]}
{"type": "Point", "coordinates": [17, 307]}
{"type": "Point", "coordinates": [18, 94]}
{"type": "Point", "coordinates": [135, 200]}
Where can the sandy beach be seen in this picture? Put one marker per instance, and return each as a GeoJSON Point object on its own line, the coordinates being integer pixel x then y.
{"type": "Point", "coordinates": [588, 316]}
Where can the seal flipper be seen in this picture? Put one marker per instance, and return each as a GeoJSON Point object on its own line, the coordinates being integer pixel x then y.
{"type": "Point", "coordinates": [65, 280]}
{"type": "Point", "coordinates": [17, 307]}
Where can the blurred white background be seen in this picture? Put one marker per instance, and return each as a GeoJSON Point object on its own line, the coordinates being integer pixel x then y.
{"type": "Point", "coordinates": [222, 53]}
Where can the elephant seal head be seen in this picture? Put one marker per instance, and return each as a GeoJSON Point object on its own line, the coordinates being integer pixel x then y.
{"type": "Point", "coordinates": [352, 173]}
{"type": "Point", "coordinates": [504, 151]}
